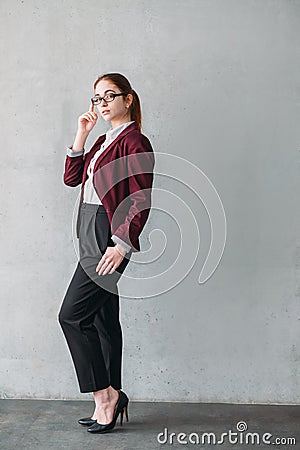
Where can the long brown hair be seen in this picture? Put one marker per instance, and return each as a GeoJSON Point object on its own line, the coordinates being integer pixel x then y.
{"type": "Point", "coordinates": [123, 84]}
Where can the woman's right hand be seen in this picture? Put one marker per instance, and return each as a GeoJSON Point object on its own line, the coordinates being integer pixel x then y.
{"type": "Point", "coordinates": [87, 121]}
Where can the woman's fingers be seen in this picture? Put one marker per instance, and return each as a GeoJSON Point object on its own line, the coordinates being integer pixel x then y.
{"type": "Point", "coordinates": [90, 116]}
{"type": "Point", "coordinates": [92, 112]}
{"type": "Point", "coordinates": [109, 262]}
{"type": "Point", "coordinates": [112, 270]}
{"type": "Point", "coordinates": [104, 269]}
{"type": "Point", "coordinates": [87, 121]}
{"type": "Point", "coordinates": [108, 268]}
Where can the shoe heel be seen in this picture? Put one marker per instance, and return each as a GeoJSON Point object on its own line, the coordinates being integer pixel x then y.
{"type": "Point", "coordinates": [126, 412]}
{"type": "Point", "coordinates": [122, 414]}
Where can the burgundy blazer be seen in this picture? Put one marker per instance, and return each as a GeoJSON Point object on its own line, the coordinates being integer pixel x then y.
{"type": "Point", "coordinates": [123, 178]}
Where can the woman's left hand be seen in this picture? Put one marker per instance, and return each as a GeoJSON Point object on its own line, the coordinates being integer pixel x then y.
{"type": "Point", "coordinates": [111, 260]}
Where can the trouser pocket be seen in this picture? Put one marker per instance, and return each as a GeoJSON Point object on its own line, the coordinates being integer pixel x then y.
{"type": "Point", "coordinates": [102, 231]}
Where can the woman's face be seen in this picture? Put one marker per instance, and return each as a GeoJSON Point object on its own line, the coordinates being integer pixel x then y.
{"type": "Point", "coordinates": [116, 111]}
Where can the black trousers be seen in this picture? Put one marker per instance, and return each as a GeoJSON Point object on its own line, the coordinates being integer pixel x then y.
{"type": "Point", "coordinates": [89, 314]}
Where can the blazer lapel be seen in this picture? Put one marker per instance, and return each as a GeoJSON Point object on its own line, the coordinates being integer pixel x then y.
{"type": "Point", "coordinates": [131, 127]}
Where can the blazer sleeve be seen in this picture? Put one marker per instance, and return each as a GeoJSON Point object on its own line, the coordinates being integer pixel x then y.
{"type": "Point", "coordinates": [140, 164]}
{"type": "Point", "coordinates": [73, 170]}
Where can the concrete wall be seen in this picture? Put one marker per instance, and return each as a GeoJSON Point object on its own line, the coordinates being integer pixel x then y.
{"type": "Point", "coordinates": [219, 86]}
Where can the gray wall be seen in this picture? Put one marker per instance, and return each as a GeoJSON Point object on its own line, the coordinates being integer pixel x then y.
{"type": "Point", "coordinates": [219, 86]}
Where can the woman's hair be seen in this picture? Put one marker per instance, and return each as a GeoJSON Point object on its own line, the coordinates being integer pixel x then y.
{"type": "Point", "coordinates": [123, 84]}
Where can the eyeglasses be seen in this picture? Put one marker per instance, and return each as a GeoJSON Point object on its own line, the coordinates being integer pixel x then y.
{"type": "Point", "coordinates": [108, 98]}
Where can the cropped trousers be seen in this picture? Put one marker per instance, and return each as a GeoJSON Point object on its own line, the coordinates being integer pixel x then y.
{"type": "Point", "coordinates": [89, 314]}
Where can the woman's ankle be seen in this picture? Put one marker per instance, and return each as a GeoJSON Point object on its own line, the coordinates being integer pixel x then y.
{"type": "Point", "coordinates": [104, 395]}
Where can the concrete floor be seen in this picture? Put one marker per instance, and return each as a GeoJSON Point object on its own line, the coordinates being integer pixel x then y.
{"type": "Point", "coordinates": [43, 424]}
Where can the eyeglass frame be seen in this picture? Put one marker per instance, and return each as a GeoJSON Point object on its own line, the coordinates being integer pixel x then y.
{"type": "Point", "coordinates": [108, 101]}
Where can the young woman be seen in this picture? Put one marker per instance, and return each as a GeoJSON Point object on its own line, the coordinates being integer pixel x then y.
{"type": "Point", "coordinates": [116, 178]}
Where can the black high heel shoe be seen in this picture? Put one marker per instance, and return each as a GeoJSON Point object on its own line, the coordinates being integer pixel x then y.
{"type": "Point", "coordinates": [87, 421]}
{"type": "Point", "coordinates": [121, 407]}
